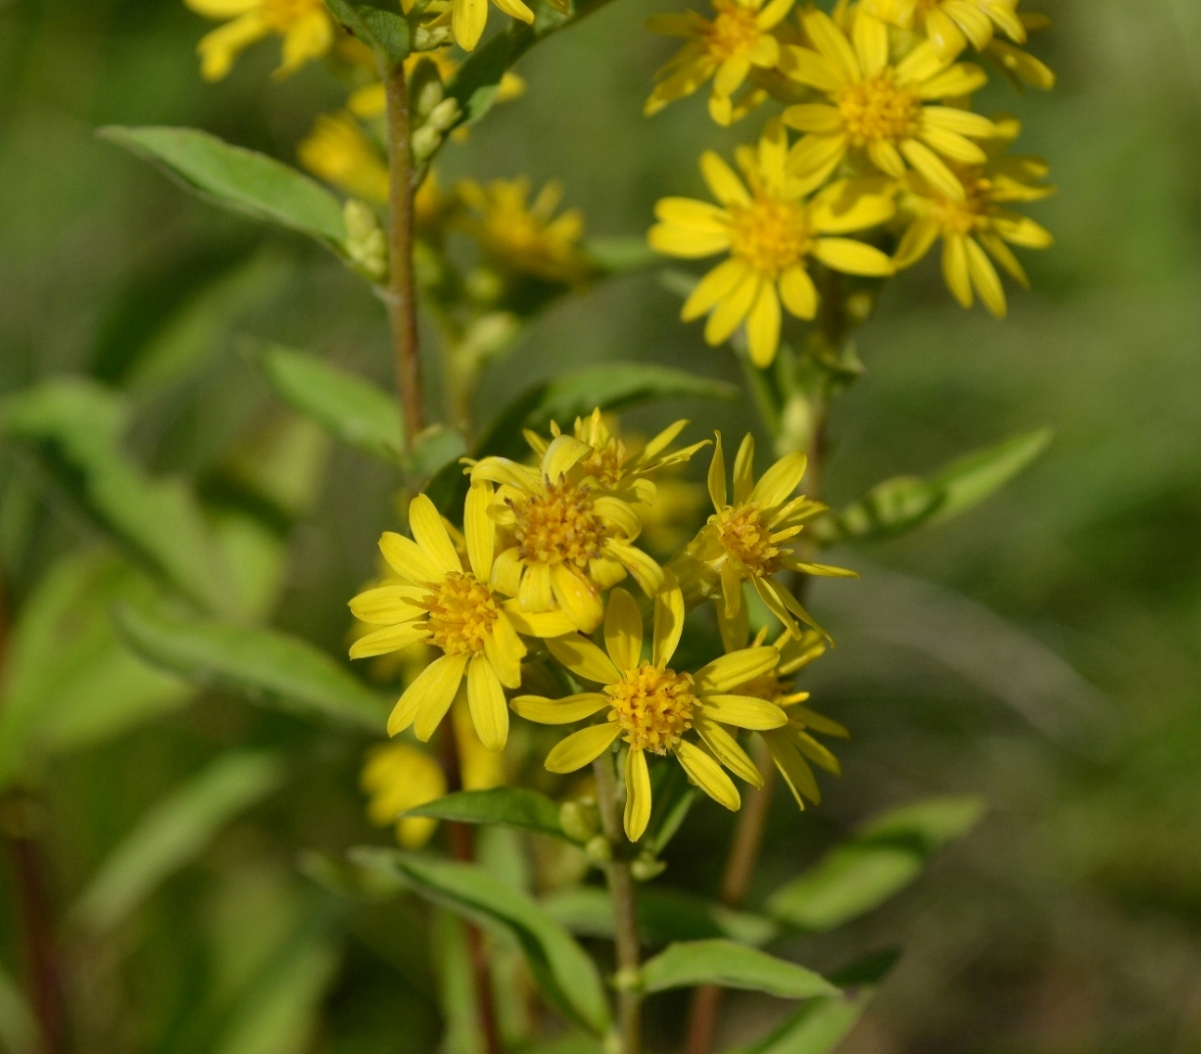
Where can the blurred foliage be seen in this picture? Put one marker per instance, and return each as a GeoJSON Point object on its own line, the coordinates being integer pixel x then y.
{"type": "Point", "coordinates": [1039, 651]}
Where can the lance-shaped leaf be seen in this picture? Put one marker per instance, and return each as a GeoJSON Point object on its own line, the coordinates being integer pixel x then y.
{"type": "Point", "coordinates": [731, 965]}
{"type": "Point", "coordinates": [264, 665]}
{"type": "Point", "coordinates": [562, 968]}
{"type": "Point", "coordinates": [387, 32]}
{"type": "Point", "coordinates": [73, 428]}
{"type": "Point", "coordinates": [821, 1024]}
{"type": "Point", "coordinates": [239, 179]}
{"type": "Point", "coordinates": [888, 854]}
{"type": "Point", "coordinates": [511, 806]}
{"type": "Point", "coordinates": [174, 833]}
{"type": "Point", "coordinates": [351, 409]}
{"type": "Point", "coordinates": [903, 503]}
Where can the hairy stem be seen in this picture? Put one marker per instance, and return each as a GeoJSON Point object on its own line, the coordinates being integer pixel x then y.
{"type": "Point", "coordinates": [399, 294]}
{"type": "Point", "coordinates": [621, 891]}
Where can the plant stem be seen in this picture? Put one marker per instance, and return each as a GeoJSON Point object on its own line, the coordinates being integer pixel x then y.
{"type": "Point", "coordinates": [462, 848]}
{"type": "Point", "coordinates": [621, 891]}
{"type": "Point", "coordinates": [399, 295]}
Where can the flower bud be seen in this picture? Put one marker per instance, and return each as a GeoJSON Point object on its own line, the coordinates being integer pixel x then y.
{"type": "Point", "coordinates": [646, 867]}
{"type": "Point", "coordinates": [427, 39]}
{"type": "Point", "coordinates": [426, 140]}
{"type": "Point", "coordinates": [580, 820]}
{"type": "Point", "coordinates": [365, 243]}
{"type": "Point", "coordinates": [598, 851]}
{"type": "Point", "coordinates": [429, 96]}
{"type": "Point", "coordinates": [444, 114]}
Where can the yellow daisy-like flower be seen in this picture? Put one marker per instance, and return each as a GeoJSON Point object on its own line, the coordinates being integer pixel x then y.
{"type": "Point", "coordinates": [305, 25]}
{"type": "Point", "coordinates": [883, 110]}
{"type": "Point", "coordinates": [652, 707]}
{"type": "Point", "coordinates": [978, 226]}
{"type": "Point", "coordinates": [567, 539]}
{"type": "Point", "coordinates": [453, 610]}
{"type": "Point", "coordinates": [950, 25]}
{"type": "Point", "coordinates": [754, 537]}
{"type": "Point", "coordinates": [339, 152]}
{"type": "Point", "coordinates": [614, 467]}
{"type": "Point", "coordinates": [770, 232]}
{"type": "Point", "coordinates": [725, 48]}
{"type": "Point", "coordinates": [526, 238]}
{"type": "Point", "coordinates": [469, 17]}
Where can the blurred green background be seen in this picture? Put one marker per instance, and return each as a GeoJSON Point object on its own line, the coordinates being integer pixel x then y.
{"type": "Point", "coordinates": [1040, 651]}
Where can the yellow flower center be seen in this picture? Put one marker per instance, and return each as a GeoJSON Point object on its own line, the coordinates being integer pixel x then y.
{"type": "Point", "coordinates": [968, 215]}
{"type": "Point", "coordinates": [605, 464]}
{"type": "Point", "coordinates": [734, 30]}
{"type": "Point", "coordinates": [461, 614]}
{"type": "Point", "coordinates": [558, 527]}
{"type": "Point", "coordinates": [769, 234]}
{"type": "Point", "coordinates": [281, 15]}
{"type": "Point", "coordinates": [765, 686]}
{"type": "Point", "coordinates": [745, 535]}
{"type": "Point", "coordinates": [878, 110]}
{"type": "Point", "coordinates": [652, 706]}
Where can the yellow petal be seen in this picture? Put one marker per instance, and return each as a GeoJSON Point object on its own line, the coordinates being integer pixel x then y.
{"type": "Point", "coordinates": [505, 651]}
{"type": "Point", "coordinates": [686, 243]}
{"type": "Point", "coordinates": [1001, 252]}
{"type": "Point", "coordinates": [669, 620]}
{"type": "Point", "coordinates": [428, 697]}
{"type": "Point", "coordinates": [430, 533]}
{"type": "Point", "coordinates": [468, 18]}
{"type": "Point", "coordinates": [885, 156]}
{"type": "Point", "coordinates": [407, 559]}
{"type": "Point", "coordinates": [793, 767]}
{"type": "Point", "coordinates": [717, 476]}
{"type": "Point", "coordinates": [813, 117]}
{"type": "Point", "coordinates": [394, 638]}
{"type": "Point", "coordinates": [536, 593]}
{"type": "Point", "coordinates": [219, 48]}
{"type": "Point", "coordinates": [486, 697]}
{"type": "Point", "coordinates": [479, 530]}
{"type": "Point", "coordinates": [831, 42]}
{"type": "Point", "coordinates": [946, 37]}
{"type": "Point", "coordinates": [955, 270]}
{"type": "Point", "coordinates": [816, 752]}
{"type": "Point", "coordinates": [707, 774]}
{"type": "Point", "coordinates": [623, 630]}
{"type": "Point", "coordinates": [778, 483]}
{"type": "Point", "coordinates": [730, 312]}
{"type": "Point", "coordinates": [582, 748]}
{"type": "Point", "coordinates": [563, 711]}
{"type": "Point", "coordinates": [583, 658]}
{"type": "Point", "coordinates": [618, 514]}
{"type": "Point", "coordinates": [222, 8]}
{"type": "Point", "coordinates": [952, 145]}
{"type": "Point", "coordinates": [503, 471]}
{"type": "Point", "coordinates": [734, 631]}
{"type": "Point", "coordinates": [538, 624]}
{"type": "Point", "coordinates": [972, 21]}
{"type": "Point", "coordinates": [516, 9]}
{"type": "Point", "coordinates": [814, 157]}
{"type": "Point", "coordinates": [725, 185]}
{"type": "Point", "coordinates": [798, 292]}
{"type": "Point", "coordinates": [743, 711]}
{"type": "Point", "coordinates": [730, 74]}
{"type": "Point", "coordinates": [916, 242]}
{"type": "Point", "coordinates": [726, 749]}
{"type": "Point", "coordinates": [744, 469]}
{"type": "Point", "coordinates": [715, 286]}
{"type": "Point", "coordinates": [806, 66]}
{"type": "Point", "coordinates": [953, 119]}
{"type": "Point", "coordinates": [852, 257]}
{"type": "Point", "coordinates": [647, 573]}
{"type": "Point", "coordinates": [961, 79]}
{"type": "Point", "coordinates": [850, 205]}
{"type": "Point", "coordinates": [577, 596]}
{"type": "Point", "coordinates": [985, 278]}
{"type": "Point", "coordinates": [731, 589]}
{"type": "Point", "coordinates": [871, 44]}
{"type": "Point", "coordinates": [1023, 231]}
{"type": "Point", "coordinates": [388, 605]}
{"type": "Point", "coordinates": [763, 326]}
{"type": "Point", "coordinates": [729, 671]}
{"type": "Point", "coordinates": [638, 795]}
{"type": "Point", "coordinates": [933, 168]}
{"type": "Point", "coordinates": [693, 215]}
{"type": "Point", "coordinates": [308, 38]}
{"type": "Point", "coordinates": [563, 454]}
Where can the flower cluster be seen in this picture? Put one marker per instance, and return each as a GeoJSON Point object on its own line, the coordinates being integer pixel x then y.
{"type": "Point", "coordinates": [534, 577]}
{"type": "Point", "coordinates": [875, 155]}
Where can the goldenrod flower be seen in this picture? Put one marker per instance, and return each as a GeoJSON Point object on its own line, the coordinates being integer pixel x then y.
{"type": "Point", "coordinates": [950, 24]}
{"type": "Point", "coordinates": [754, 537]}
{"type": "Point", "coordinates": [526, 238]}
{"type": "Point", "coordinates": [454, 610]}
{"type": "Point", "coordinates": [614, 468]}
{"type": "Point", "coordinates": [305, 25]}
{"type": "Point", "coordinates": [1020, 65]}
{"type": "Point", "coordinates": [881, 109]}
{"type": "Point", "coordinates": [726, 48]}
{"type": "Point", "coordinates": [469, 17]}
{"type": "Point", "coordinates": [652, 707]}
{"type": "Point", "coordinates": [978, 226]}
{"type": "Point", "coordinates": [567, 540]}
{"type": "Point", "coordinates": [770, 232]}
{"type": "Point", "coordinates": [339, 152]}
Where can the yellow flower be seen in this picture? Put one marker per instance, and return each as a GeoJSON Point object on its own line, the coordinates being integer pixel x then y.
{"type": "Point", "coordinates": [469, 17]}
{"type": "Point", "coordinates": [879, 108]}
{"type": "Point", "coordinates": [754, 537]}
{"type": "Point", "coordinates": [456, 612]}
{"type": "Point", "coordinates": [652, 707]}
{"type": "Point", "coordinates": [770, 231]}
{"type": "Point", "coordinates": [339, 152]}
{"type": "Point", "coordinates": [950, 24]}
{"type": "Point", "coordinates": [305, 25]}
{"type": "Point", "coordinates": [567, 540]}
{"type": "Point", "coordinates": [726, 48]}
{"type": "Point", "coordinates": [1019, 65]}
{"type": "Point", "coordinates": [979, 225]}
{"type": "Point", "coordinates": [614, 468]}
{"type": "Point", "coordinates": [525, 238]}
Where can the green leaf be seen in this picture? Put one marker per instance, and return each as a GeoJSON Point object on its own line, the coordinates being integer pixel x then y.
{"type": "Point", "coordinates": [239, 179]}
{"type": "Point", "coordinates": [821, 1024]}
{"type": "Point", "coordinates": [731, 965]}
{"type": "Point", "coordinates": [888, 854]}
{"type": "Point", "coordinates": [664, 915]}
{"type": "Point", "coordinates": [514, 807]}
{"type": "Point", "coordinates": [264, 665]}
{"type": "Point", "coordinates": [620, 255]}
{"type": "Point", "coordinates": [174, 833]}
{"type": "Point", "coordinates": [350, 408]}
{"type": "Point", "coordinates": [386, 32]}
{"type": "Point", "coordinates": [74, 428]}
{"type": "Point", "coordinates": [903, 503]}
{"type": "Point", "coordinates": [561, 967]}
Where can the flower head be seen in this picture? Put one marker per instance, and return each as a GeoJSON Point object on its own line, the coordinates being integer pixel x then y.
{"type": "Point", "coordinates": [754, 537]}
{"type": "Point", "coordinates": [725, 48]}
{"type": "Point", "coordinates": [880, 109]}
{"type": "Point", "coordinates": [950, 25]}
{"type": "Point", "coordinates": [339, 152]}
{"type": "Point", "coordinates": [979, 225]}
{"type": "Point", "coordinates": [455, 611]}
{"type": "Point", "coordinates": [613, 466]}
{"type": "Point", "coordinates": [652, 708]}
{"type": "Point", "coordinates": [565, 539]}
{"type": "Point", "coordinates": [305, 25]}
{"type": "Point", "coordinates": [771, 232]}
{"type": "Point", "coordinates": [526, 238]}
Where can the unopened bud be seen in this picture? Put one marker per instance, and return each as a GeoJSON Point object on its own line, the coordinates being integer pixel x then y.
{"type": "Point", "coordinates": [365, 243]}
{"type": "Point", "coordinates": [646, 867]}
{"type": "Point", "coordinates": [598, 851]}
{"type": "Point", "coordinates": [444, 114]}
{"type": "Point", "coordinates": [427, 39]}
{"type": "Point", "coordinates": [426, 140]}
{"type": "Point", "coordinates": [431, 94]}
{"type": "Point", "coordinates": [580, 820]}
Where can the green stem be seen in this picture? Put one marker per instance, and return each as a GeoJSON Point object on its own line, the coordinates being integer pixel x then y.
{"type": "Point", "coordinates": [621, 891]}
